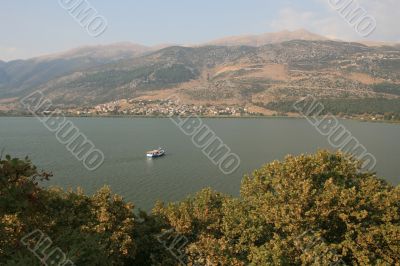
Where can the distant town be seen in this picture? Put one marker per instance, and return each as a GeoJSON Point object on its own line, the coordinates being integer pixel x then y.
{"type": "Point", "coordinates": [151, 108]}
{"type": "Point", "coordinates": [167, 108]}
{"type": "Point", "coordinates": [161, 108]}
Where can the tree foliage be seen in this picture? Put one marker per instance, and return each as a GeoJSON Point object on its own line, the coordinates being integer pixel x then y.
{"type": "Point", "coordinates": [315, 209]}
{"type": "Point", "coordinates": [93, 230]}
{"type": "Point", "coordinates": [389, 88]}
{"type": "Point", "coordinates": [346, 106]}
{"type": "Point", "coordinates": [307, 210]}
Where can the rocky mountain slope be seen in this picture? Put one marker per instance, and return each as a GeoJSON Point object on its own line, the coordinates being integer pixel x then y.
{"type": "Point", "coordinates": [237, 74]}
{"type": "Point", "coordinates": [19, 76]}
{"type": "Point", "coordinates": [266, 76]}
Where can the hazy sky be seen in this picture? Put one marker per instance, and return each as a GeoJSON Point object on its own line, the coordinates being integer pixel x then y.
{"type": "Point", "coordinates": [32, 28]}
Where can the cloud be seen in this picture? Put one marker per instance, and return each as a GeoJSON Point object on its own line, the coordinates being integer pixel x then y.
{"type": "Point", "coordinates": [386, 13]}
{"type": "Point", "coordinates": [332, 27]}
{"type": "Point", "coordinates": [7, 53]}
{"type": "Point", "coordinates": [8, 49]}
{"type": "Point", "coordinates": [330, 23]}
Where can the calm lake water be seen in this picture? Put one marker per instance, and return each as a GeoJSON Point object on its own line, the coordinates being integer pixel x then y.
{"type": "Point", "coordinates": [185, 169]}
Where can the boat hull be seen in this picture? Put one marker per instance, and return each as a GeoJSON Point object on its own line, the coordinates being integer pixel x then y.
{"type": "Point", "coordinates": [155, 155]}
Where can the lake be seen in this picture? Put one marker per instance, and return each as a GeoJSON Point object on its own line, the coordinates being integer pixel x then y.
{"type": "Point", "coordinates": [185, 169]}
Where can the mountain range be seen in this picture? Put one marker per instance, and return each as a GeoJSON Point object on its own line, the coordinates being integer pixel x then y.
{"type": "Point", "coordinates": [268, 38]}
{"type": "Point", "coordinates": [253, 70]}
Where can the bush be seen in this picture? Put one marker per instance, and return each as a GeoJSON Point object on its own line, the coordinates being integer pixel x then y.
{"type": "Point", "coordinates": [307, 210]}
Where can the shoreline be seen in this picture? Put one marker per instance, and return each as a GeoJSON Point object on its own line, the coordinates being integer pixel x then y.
{"type": "Point", "coordinates": [207, 117]}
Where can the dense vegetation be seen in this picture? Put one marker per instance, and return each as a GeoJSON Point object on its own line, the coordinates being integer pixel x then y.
{"type": "Point", "coordinates": [149, 74]}
{"type": "Point", "coordinates": [307, 210]}
{"type": "Point", "coordinates": [388, 88]}
{"type": "Point", "coordinates": [380, 106]}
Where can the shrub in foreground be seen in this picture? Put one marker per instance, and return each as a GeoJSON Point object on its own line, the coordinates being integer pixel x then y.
{"type": "Point", "coordinates": [315, 209]}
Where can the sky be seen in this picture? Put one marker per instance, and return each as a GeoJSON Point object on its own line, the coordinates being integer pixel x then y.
{"type": "Point", "coordinates": [34, 28]}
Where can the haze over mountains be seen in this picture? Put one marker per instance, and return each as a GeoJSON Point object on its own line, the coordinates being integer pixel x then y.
{"type": "Point", "coordinates": [253, 70]}
{"type": "Point", "coordinates": [19, 75]}
{"type": "Point", "coordinates": [268, 38]}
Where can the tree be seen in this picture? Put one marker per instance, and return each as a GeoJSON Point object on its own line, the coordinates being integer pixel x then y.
{"type": "Point", "coordinates": [93, 230]}
{"type": "Point", "coordinates": [307, 210]}
{"type": "Point", "coordinates": [318, 209]}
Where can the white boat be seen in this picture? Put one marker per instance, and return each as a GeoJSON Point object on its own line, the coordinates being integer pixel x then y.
{"type": "Point", "coordinates": [155, 153]}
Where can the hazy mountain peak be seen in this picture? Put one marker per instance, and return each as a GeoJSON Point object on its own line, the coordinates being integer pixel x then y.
{"type": "Point", "coordinates": [18, 75]}
{"type": "Point", "coordinates": [268, 38]}
{"type": "Point", "coordinates": [301, 30]}
{"type": "Point", "coordinates": [100, 51]}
